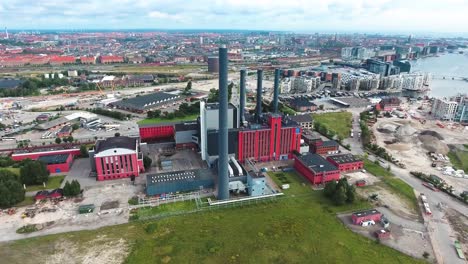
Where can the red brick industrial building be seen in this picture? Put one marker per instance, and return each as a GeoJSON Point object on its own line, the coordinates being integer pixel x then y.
{"type": "Point", "coordinates": [116, 158]}
{"type": "Point", "coordinates": [58, 160]}
{"type": "Point", "coordinates": [316, 169]}
{"type": "Point", "coordinates": [363, 216]}
{"type": "Point", "coordinates": [346, 162]}
{"type": "Point", "coordinates": [57, 163]}
{"type": "Point", "coordinates": [272, 142]}
{"type": "Point", "coordinates": [324, 147]}
{"type": "Point", "coordinates": [111, 59]}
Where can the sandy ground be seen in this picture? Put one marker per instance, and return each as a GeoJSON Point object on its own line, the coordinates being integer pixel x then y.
{"type": "Point", "coordinates": [66, 217]}
{"type": "Point", "coordinates": [99, 250]}
{"type": "Point", "coordinates": [413, 154]}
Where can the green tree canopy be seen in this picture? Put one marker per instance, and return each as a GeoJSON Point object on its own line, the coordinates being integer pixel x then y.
{"type": "Point", "coordinates": [34, 172]}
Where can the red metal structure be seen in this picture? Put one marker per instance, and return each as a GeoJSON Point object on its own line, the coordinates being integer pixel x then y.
{"type": "Point", "coordinates": [151, 133]}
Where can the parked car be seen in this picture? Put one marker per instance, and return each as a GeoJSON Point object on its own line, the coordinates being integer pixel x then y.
{"type": "Point", "coordinates": [368, 223]}
{"type": "Point", "coordinates": [41, 195]}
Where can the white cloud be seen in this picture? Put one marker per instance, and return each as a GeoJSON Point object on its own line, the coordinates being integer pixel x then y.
{"type": "Point", "coordinates": [310, 15]}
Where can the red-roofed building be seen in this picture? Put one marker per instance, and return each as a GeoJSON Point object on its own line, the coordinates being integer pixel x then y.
{"type": "Point", "coordinates": [39, 60]}
{"type": "Point", "coordinates": [61, 60]}
{"type": "Point", "coordinates": [88, 60]}
{"type": "Point", "coordinates": [111, 59]}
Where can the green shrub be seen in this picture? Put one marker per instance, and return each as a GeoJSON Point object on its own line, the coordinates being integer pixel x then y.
{"type": "Point", "coordinates": [26, 229]}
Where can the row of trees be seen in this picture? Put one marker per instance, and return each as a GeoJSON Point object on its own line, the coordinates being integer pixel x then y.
{"type": "Point", "coordinates": [379, 151]}
{"type": "Point", "coordinates": [68, 139]}
{"type": "Point", "coordinates": [113, 114]}
{"type": "Point", "coordinates": [213, 97]}
{"type": "Point", "coordinates": [184, 110]}
{"type": "Point", "coordinates": [11, 189]}
{"type": "Point", "coordinates": [71, 189]}
{"type": "Point", "coordinates": [340, 192]}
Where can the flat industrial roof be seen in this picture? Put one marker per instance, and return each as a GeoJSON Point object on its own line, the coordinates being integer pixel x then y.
{"type": "Point", "coordinates": [344, 158]}
{"type": "Point", "coordinates": [177, 176]}
{"type": "Point", "coordinates": [317, 163]}
{"type": "Point", "coordinates": [54, 159]}
{"type": "Point", "coordinates": [367, 212]}
{"type": "Point", "coordinates": [146, 101]}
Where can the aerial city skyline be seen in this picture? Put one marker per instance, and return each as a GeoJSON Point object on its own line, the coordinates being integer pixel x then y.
{"type": "Point", "coordinates": [416, 16]}
{"type": "Point", "coordinates": [228, 131]}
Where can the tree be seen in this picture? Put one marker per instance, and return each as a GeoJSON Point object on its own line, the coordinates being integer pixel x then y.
{"type": "Point", "coordinates": [67, 191]}
{"type": "Point", "coordinates": [213, 96]}
{"type": "Point", "coordinates": [188, 88]}
{"type": "Point", "coordinates": [84, 151]}
{"type": "Point", "coordinates": [340, 195]}
{"type": "Point", "coordinates": [75, 126]}
{"type": "Point", "coordinates": [71, 189]}
{"type": "Point", "coordinates": [330, 188]}
{"type": "Point", "coordinates": [34, 172]}
{"type": "Point", "coordinates": [230, 86]}
{"type": "Point", "coordinates": [117, 134]}
{"type": "Point", "coordinates": [11, 191]}
{"type": "Point", "coordinates": [70, 139]}
{"type": "Point", "coordinates": [350, 194]}
{"type": "Point", "coordinates": [147, 162]}
{"type": "Point", "coordinates": [58, 140]}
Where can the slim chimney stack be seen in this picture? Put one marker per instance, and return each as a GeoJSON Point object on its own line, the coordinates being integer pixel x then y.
{"type": "Point", "coordinates": [223, 177]}
{"type": "Point", "coordinates": [276, 91]}
{"type": "Point", "coordinates": [259, 96]}
{"type": "Point", "coordinates": [242, 96]}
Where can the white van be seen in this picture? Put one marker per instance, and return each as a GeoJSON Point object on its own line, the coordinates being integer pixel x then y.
{"type": "Point", "coordinates": [368, 223]}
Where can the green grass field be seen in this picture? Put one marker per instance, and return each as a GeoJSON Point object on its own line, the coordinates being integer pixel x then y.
{"type": "Point", "coordinates": [149, 121]}
{"type": "Point", "coordinates": [300, 227]}
{"type": "Point", "coordinates": [53, 183]}
{"type": "Point", "coordinates": [459, 159]}
{"type": "Point", "coordinates": [28, 200]}
{"type": "Point", "coordinates": [340, 122]}
{"type": "Point", "coordinates": [398, 186]}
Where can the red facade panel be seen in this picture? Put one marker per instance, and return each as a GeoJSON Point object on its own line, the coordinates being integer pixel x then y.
{"type": "Point", "coordinates": [156, 133]}
{"type": "Point", "coordinates": [36, 155]}
{"type": "Point", "coordinates": [118, 167]}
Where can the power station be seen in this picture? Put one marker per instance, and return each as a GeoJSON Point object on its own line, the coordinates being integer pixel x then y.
{"type": "Point", "coordinates": [229, 139]}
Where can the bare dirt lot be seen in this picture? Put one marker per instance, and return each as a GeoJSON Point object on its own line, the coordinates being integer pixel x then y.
{"type": "Point", "coordinates": [409, 141]}
{"type": "Point", "coordinates": [406, 236]}
{"type": "Point", "coordinates": [111, 202]}
{"type": "Point", "coordinates": [385, 196]}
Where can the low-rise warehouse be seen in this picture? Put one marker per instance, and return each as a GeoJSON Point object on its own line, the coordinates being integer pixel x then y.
{"type": "Point", "coordinates": [57, 163]}
{"type": "Point", "coordinates": [179, 181]}
{"type": "Point", "coordinates": [316, 169]}
{"type": "Point", "coordinates": [346, 162]}
{"type": "Point", "coordinates": [363, 216]}
{"type": "Point", "coordinates": [144, 103]}
{"type": "Point", "coordinates": [324, 147]}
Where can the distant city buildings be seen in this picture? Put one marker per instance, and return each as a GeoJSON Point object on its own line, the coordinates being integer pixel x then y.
{"type": "Point", "coordinates": [444, 109]}
{"type": "Point", "coordinates": [451, 109]}
{"type": "Point", "coordinates": [359, 53]}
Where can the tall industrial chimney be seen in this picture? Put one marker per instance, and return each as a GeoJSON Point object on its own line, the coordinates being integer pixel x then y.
{"type": "Point", "coordinates": [6, 33]}
{"type": "Point", "coordinates": [223, 177]}
{"type": "Point", "coordinates": [242, 96]}
{"type": "Point", "coordinates": [259, 96]}
{"type": "Point", "coordinates": [276, 90]}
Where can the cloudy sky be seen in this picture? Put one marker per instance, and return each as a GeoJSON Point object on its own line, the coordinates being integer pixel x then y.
{"type": "Point", "coordinates": [289, 15]}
